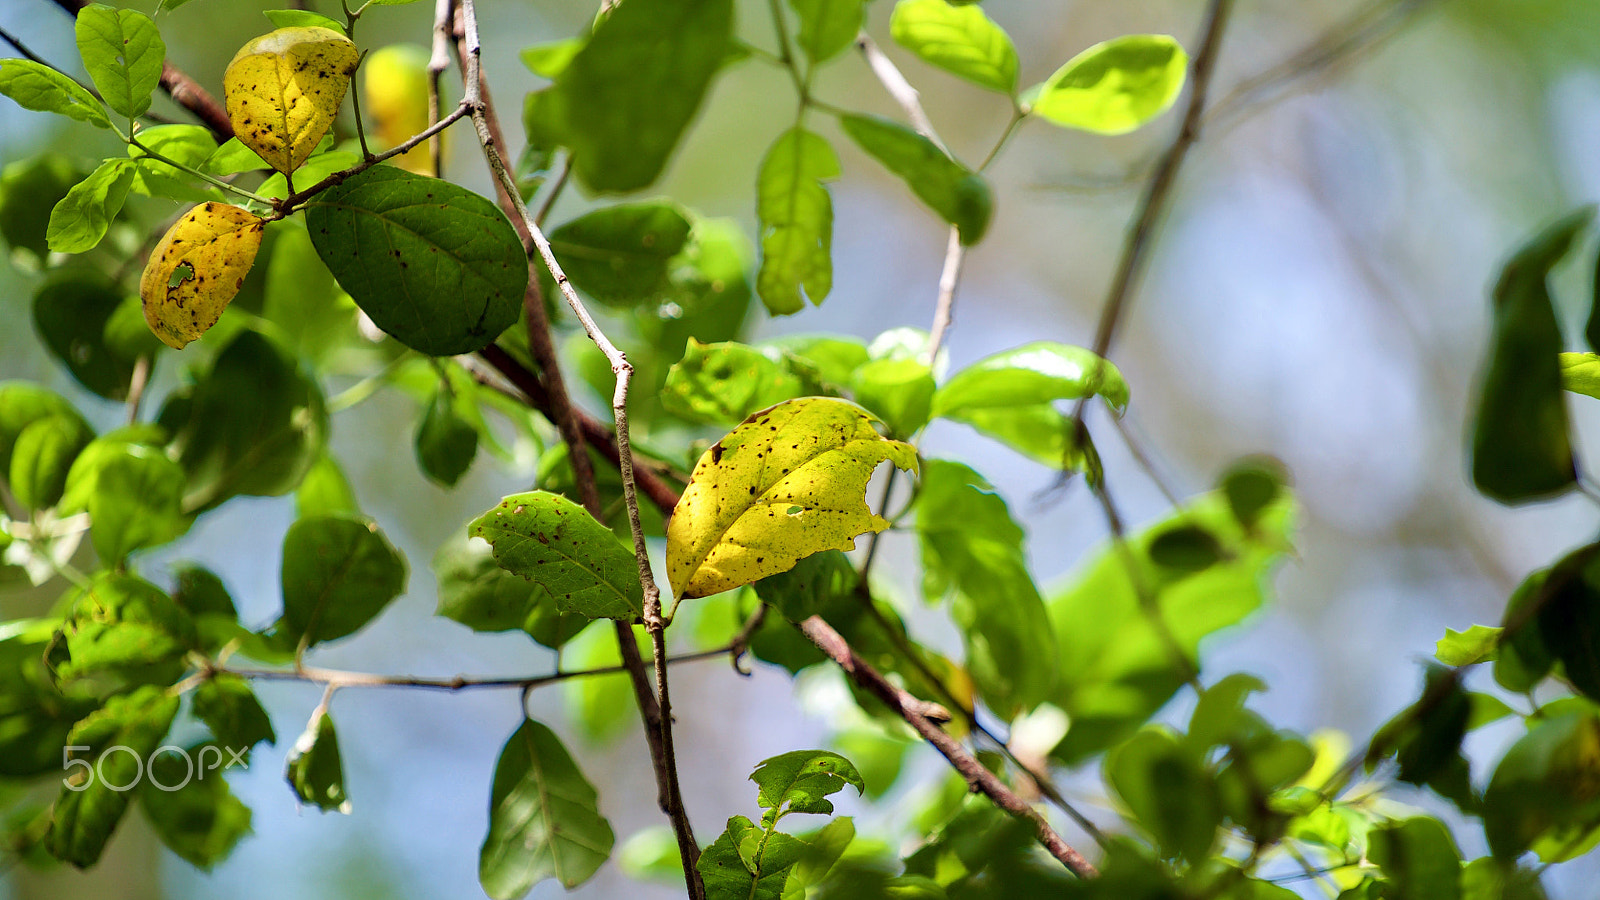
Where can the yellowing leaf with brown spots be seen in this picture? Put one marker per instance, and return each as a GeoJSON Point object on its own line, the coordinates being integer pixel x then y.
{"type": "Point", "coordinates": [283, 90]}
{"type": "Point", "coordinates": [788, 482]}
{"type": "Point", "coordinates": [197, 269]}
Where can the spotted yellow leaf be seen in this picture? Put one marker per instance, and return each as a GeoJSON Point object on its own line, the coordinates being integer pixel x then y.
{"type": "Point", "coordinates": [394, 82]}
{"type": "Point", "coordinates": [790, 481]}
{"type": "Point", "coordinates": [197, 269]}
{"type": "Point", "coordinates": [284, 89]}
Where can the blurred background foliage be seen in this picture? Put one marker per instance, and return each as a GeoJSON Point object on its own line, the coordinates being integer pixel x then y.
{"type": "Point", "coordinates": [1318, 293]}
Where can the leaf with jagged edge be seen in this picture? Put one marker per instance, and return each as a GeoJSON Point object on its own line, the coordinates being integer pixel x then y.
{"type": "Point", "coordinates": [788, 482]}
{"type": "Point", "coordinates": [284, 89]}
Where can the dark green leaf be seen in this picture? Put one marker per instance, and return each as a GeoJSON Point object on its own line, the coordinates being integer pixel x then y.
{"type": "Point", "coordinates": [123, 52]}
{"type": "Point", "coordinates": [1251, 485]}
{"type": "Point", "coordinates": [796, 216]}
{"type": "Point", "coordinates": [36, 712]}
{"type": "Point", "coordinates": [1116, 666]}
{"type": "Point", "coordinates": [1464, 648]}
{"type": "Point", "coordinates": [1521, 449]}
{"type": "Point", "coordinates": [828, 26]}
{"type": "Point", "coordinates": [619, 255]}
{"type": "Point", "coordinates": [446, 442]}
{"type": "Point", "coordinates": [815, 583]}
{"type": "Point", "coordinates": [958, 195]}
{"type": "Point", "coordinates": [191, 809]}
{"type": "Point", "coordinates": [338, 575]}
{"type": "Point", "coordinates": [42, 456]}
{"type": "Point", "coordinates": [648, 65]}
{"type": "Point", "coordinates": [1169, 792]}
{"type": "Point", "coordinates": [1490, 879]}
{"type": "Point", "coordinates": [745, 863]}
{"type": "Point", "coordinates": [1522, 659]}
{"type": "Point", "coordinates": [475, 591]}
{"type": "Point", "coordinates": [1185, 549]}
{"type": "Point", "coordinates": [973, 551]}
{"type": "Point", "coordinates": [230, 709]}
{"type": "Point", "coordinates": [721, 384]}
{"type": "Point", "coordinates": [123, 625]}
{"type": "Point", "coordinates": [823, 849]}
{"type": "Point", "coordinates": [70, 312]}
{"type": "Point", "coordinates": [434, 265]}
{"type": "Point", "coordinates": [42, 89]}
{"type": "Point", "coordinates": [1115, 86]}
{"type": "Point", "coordinates": [1418, 858]}
{"type": "Point", "coordinates": [1426, 737]}
{"type": "Point", "coordinates": [899, 391]}
{"type": "Point", "coordinates": [801, 781]}
{"type": "Point", "coordinates": [21, 404]}
{"type": "Point", "coordinates": [253, 425]}
{"type": "Point", "coordinates": [1569, 620]}
{"type": "Point", "coordinates": [29, 189]}
{"type": "Point", "coordinates": [1544, 786]}
{"type": "Point", "coordinates": [81, 219]}
{"type": "Point", "coordinates": [543, 821]}
{"type": "Point", "coordinates": [121, 735]}
{"type": "Point", "coordinates": [313, 768]}
{"type": "Point", "coordinates": [959, 39]}
{"type": "Point", "coordinates": [546, 537]}
{"type": "Point", "coordinates": [325, 491]}
{"type": "Point", "coordinates": [202, 595]}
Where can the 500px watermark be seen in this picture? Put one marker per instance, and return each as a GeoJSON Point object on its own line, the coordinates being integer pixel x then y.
{"type": "Point", "coordinates": [144, 769]}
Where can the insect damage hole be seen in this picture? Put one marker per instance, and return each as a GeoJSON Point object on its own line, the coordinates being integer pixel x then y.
{"type": "Point", "coordinates": [184, 272]}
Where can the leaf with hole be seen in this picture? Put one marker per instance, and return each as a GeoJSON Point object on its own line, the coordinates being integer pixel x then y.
{"type": "Point", "coordinates": [789, 482]}
{"type": "Point", "coordinates": [436, 266]}
{"type": "Point", "coordinates": [123, 52]}
{"type": "Point", "coordinates": [197, 269]}
{"type": "Point", "coordinates": [284, 89]}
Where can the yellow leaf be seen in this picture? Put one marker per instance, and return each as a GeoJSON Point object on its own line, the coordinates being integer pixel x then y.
{"type": "Point", "coordinates": [790, 481]}
{"type": "Point", "coordinates": [394, 83]}
{"type": "Point", "coordinates": [283, 90]}
{"type": "Point", "coordinates": [197, 269]}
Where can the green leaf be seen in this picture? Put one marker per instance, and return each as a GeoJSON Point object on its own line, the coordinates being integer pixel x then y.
{"type": "Point", "coordinates": [959, 39]}
{"type": "Point", "coordinates": [1489, 879]}
{"type": "Point", "coordinates": [314, 315]}
{"type": "Point", "coordinates": [1251, 485]}
{"type": "Point", "coordinates": [973, 551]}
{"type": "Point", "coordinates": [230, 709]}
{"type": "Point", "coordinates": [254, 424]}
{"type": "Point", "coordinates": [43, 455]}
{"type": "Point", "coordinates": [191, 809]}
{"type": "Point", "coordinates": [42, 89]}
{"type": "Point", "coordinates": [647, 64]}
{"type": "Point", "coordinates": [71, 312]}
{"type": "Point", "coordinates": [338, 574]}
{"type": "Point", "coordinates": [29, 190]}
{"type": "Point", "coordinates": [325, 491]}
{"type": "Point", "coordinates": [137, 502]}
{"type": "Point", "coordinates": [475, 591]}
{"type": "Point", "coordinates": [113, 445]}
{"type": "Point", "coordinates": [1220, 717]}
{"type": "Point", "coordinates": [1523, 659]}
{"type": "Point", "coordinates": [121, 735]}
{"type": "Point", "coordinates": [1542, 788]}
{"type": "Point", "coordinates": [619, 255]}
{"type": "Point", "coordinates": [190, 145]}
{"type": "Point", "coordinates": [721, 384]}
{"type": "Point", "coordinates": [802, 780]}
{"type": "Point", "coordinates": [1115, 665]}
{"type": "Point", "coordinates": [1464, 648]}
{"type": "Point", "coordinates": [815, 583]}
{"type": "Point", "coordinates": [202, 595]}
{"type": "Point", "coordinates": [796, 216]}
{"type": "Point", "coordinates": [1116, 86]}
{"type": "Point", "coordinates": [787, 483]}
{"type": "Point", "coordinates": [80, 220]}
{"type": "Point", "coordinates": [1580, 373]}
{"type": "Point", "coordinates": [1185, 549]}
{"type": "Point", "coordinates": [233, 157]}
{"type": "Point", "coordinates": [834, 359]}
{"type": "Point", "coordinates": [550, 59]}
{"type": "Point", "coordinates": [434, 265]}
{"type": "Point", "coordinates": [899, 391]}
{"type": "Point", "coordinates": [546, 537]}
{"type": "Point", "coordinates": [313, 768]}
{"type": "Point", "coordinates": [1169, 792]}
{"type": "Point", "coordinates": [1521, 449]}
{"type": "Point", "coordinates": [124, 626]}
{"type": "Point", "coordinates": [446, 442]}
{"type": "Point", "coordinates": [1569, 620]}
{"type": "Point", "coordinates": [1426, 738]}
{"type": "Point", "coordinates": [298, 18]}
{"type": "Point", "coordinates": [123, 52]}
{"type": "Point", "coordinates": [36, 710]}
{"type": "Point", "coordinates": [827, 27]}
{"type": "Point", "coordinates": [958, 195]}
{"type": "Point", "coordinates": [1418, 858]}
{"type": "Point", "coordinates": [543, 820]}
{"type": "Point", "coordinates": [746, 863]}
{"type": "Point", "coordinates": [21, 404]}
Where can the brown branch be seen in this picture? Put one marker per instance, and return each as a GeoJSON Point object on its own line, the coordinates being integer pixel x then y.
{"type": "Point", "coordinates": [915, 713]}
{"type": "Point", "coordinates": [654, 708]}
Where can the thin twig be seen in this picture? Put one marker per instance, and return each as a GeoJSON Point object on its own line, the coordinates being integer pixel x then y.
{"type": "Point", "coordinates": [899, 88]}
{"type": "Point", "coordinates": [944, 307]}
{"type": "Point", "coordinates": [471, 50]}
{"type": "Point", "coordinates": [288, 204]}
{"type": "Point", "coordinates": [555, 191]}
{"type": "Point", "coordinates": [438, 60]}
{"type": "Point", "coordinates": [1144, 459]}
{"type": "Point", "coordinates": [136, 385]}
{"type": "Point", "coordinates": [913, 711]}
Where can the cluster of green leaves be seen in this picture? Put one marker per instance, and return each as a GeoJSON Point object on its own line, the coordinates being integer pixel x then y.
{"type": "Point", "coordinates": [389, 275]}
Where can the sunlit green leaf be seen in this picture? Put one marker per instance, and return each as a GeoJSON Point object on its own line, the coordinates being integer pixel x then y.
{"type": "Point", "coordinates": [475, 591]}
{"type": "Point", "coordinates": [959, 39]}
{"type": "Point", "coordinates": [1115, 86]}
{"type": "Point", "coordinates": [80, 220]}
{"type": "Point", "coordinates": [827, 26]}
{"type": "Point", "coordinates": [314, 769]}
{"type": "Point", "coordinates": [746, 863]}
{"type": "Point", "coordinates": [721, 384]}
{"type": "Point", "coordinates": [796, 215]}
{"type": "Point", "coordinates": [1169, 792]}
{"type": "Point", "coordinates": [123, 52]}
{"type": "Point", "coordinates": [40, 88]}
{"type": "Point", "coordinates": [802, 780]}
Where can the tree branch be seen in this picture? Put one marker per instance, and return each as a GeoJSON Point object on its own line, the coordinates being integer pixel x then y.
{"type": "Point", "coordinates": [661, 743]}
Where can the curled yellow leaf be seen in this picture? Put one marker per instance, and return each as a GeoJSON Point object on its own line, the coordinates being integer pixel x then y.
{"type": "Point", "coordinates": [197, 269]}
{"type": "Point", "coordinates": [790, 481]}
{"type": "Point", "coordinates": [284, 89]}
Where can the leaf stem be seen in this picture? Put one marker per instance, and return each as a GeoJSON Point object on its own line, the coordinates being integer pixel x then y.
{"type": "Point", "coordinates": [209, 179]}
